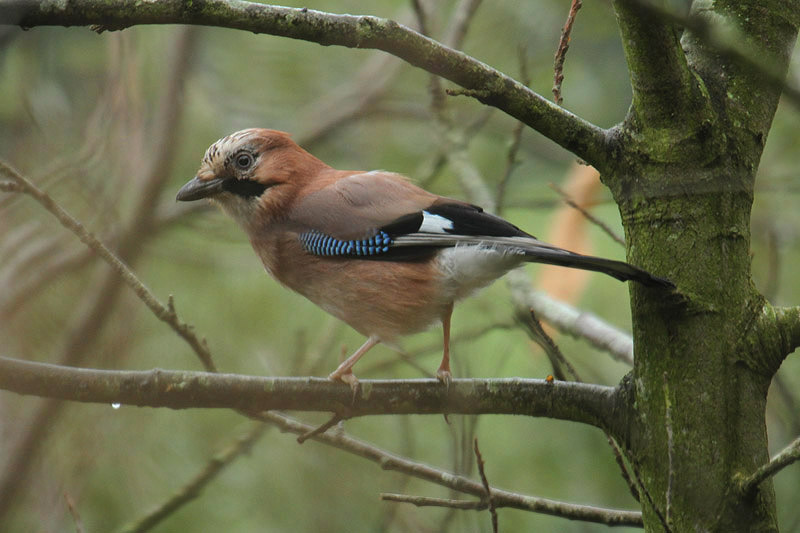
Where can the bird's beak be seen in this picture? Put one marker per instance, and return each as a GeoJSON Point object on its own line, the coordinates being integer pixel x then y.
{"type": "Point", "coordinates": [197, 189]}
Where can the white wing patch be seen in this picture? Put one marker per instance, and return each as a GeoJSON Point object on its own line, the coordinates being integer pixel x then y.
{"type": "Point", "coordinates": [434, 223]}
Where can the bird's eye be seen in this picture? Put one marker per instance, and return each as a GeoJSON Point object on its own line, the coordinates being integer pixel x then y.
{"type": "Point", "coordinates": [243, 161]}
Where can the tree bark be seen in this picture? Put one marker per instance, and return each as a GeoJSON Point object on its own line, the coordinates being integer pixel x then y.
{"type": "Point", "coordinates": [684, 181]}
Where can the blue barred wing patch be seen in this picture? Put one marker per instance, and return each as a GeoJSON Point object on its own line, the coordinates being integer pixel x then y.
{"type": "Point", "coordinates": [317, 243]}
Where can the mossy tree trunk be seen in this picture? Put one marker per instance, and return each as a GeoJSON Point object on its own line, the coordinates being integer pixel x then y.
{"type": "Point", "coordinates": [683, 174]}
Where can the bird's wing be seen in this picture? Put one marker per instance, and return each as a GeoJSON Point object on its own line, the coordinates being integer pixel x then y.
{"type": "Point", "coordinates": [360, 205]}
{"type": "Point", "coordinates": [379, 215]}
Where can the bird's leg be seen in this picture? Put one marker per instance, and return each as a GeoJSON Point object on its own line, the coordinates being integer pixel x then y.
{"type": "Point", "coordinates": [344, 372]}
{"type": "Point", "coordinates": [443, 373]}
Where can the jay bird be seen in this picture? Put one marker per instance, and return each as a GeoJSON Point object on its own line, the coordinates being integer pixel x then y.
{"type": "Point", "coordinates": [371, 248]}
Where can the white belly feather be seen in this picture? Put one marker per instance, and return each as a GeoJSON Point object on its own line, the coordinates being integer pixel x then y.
{"type": "Point", "coordinates": [468, 267]}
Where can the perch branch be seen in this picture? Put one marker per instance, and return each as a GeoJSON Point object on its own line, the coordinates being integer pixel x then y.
{"type": "Point", "coordinates": [579, 402]}
{"type": "Point", "coordinates": [483, 82]}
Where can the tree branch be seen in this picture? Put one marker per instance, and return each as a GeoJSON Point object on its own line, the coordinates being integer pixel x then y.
{"type": "Point", "coordinates": [578, 402]}
{"type": "Point", "coordinates": [580, 324]}
{"type": "Point", "coordinates": [732, 45]}
{"type": "Point", "coordinates": [788, 322]}
{"type": "Point", "coordinates": [489, 85]}
{"type": "Point", "coordinates": [102, 298]}
{"type": "Point", "coordinates": [502, 498]}
{"type": "Point", "coordinates": [193, 488]}
{"type": "Point", "coordinates": [775, 333]}
{"type": "Point", "coordinates": [165, 313]}
{"type": "Point", "coordinates": [787, 456]}
{"type": "Point", "coordinates": [666, 94]}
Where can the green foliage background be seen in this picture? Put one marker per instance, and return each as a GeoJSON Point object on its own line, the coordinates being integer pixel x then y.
{"type": "Point", "coordinates": [78, 114]}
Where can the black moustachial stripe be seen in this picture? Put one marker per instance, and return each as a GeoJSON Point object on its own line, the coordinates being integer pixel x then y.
{"type": "Point", "coordinates": [244, 188]}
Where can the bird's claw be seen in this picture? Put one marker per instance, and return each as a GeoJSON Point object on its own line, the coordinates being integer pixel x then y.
{"type": "Point", "coordinates": [444, 376]}
{"type": "Point", "coordinates": [349, 378]}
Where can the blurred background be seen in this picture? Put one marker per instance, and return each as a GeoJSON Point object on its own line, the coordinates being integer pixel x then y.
{"type": "Point", "coordinates": [112, 124]}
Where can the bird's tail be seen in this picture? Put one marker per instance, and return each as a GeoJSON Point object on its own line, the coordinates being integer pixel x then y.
{"type": "Point", "coordinates": [536, 251]}
{"type": "Point", "coordinates": [617, 269]}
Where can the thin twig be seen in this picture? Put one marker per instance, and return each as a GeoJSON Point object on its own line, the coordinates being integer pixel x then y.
{"type": "Point", "coordinates": [572, 321]}
{"type": "Point", "coordinates": [76, 517]}
{"type": "Point", "coordinates": [516, 137]}
{"type": "Point", "coordinates": [787, 456]}
{"type": "Point", "coordinates": [101, 300]}
{"type": "Point", "coordinates": [472, 93]}
{"type": "Point", "coordinates": [561, 51]}
{"type": "Point", "coordinates": [422, 17]}
{"type": "Point", "coordinates": [556, 356]}
{"type": "Point", "coordinates": [590, 217]}
{"type": "Point", "coordinates": [425, 501]}
{"type": "Point", "coordinates": [462, 16]}
{"type": "Point", "coordinates": [619, 458]}
{"type": "Point", "coordinates": [481, 470]}
{"type": "Point", "coordinates": [193, 489]}
{"type": "Point", "coordinates": [335, 419]}
{"type": "Point", "coordinates": [390, 461]}
{"type": "Point", "coordinates": [164, 313]}
{"type": "Point", "coordinates": [554, 353]}
{"type": "Point", "coordinates": [9, 186]}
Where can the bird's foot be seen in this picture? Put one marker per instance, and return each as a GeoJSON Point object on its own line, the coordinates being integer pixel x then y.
{"type": "Point", "coordinates": [345, 377]}
{"type": "Point", "coordinates": [444, 375]}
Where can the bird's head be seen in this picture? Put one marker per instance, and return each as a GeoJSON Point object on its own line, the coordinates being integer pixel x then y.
{"type": "Point", "coordinates": [252, 174]}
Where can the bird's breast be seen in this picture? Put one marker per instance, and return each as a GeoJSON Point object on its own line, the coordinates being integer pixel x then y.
{"type": "Point", "coordinates": [386, 299]}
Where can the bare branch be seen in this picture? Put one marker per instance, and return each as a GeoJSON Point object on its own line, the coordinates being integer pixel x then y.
{"type": "Point", "coordinates": [590, 217]}
{"type": "Point", "coordinates": [730, 44]}
{"type": "Point", "coordinates": [7, 186]}
{"type": "Point", "coordinates": [503, 498]}
{"type": "Point", "coordinates": [788, 321]}
{"type": "Point", "coordinates": [101, 300]}
{"type": "Point", "coordinates": [665, 93]}
{"type": "Point", "coordinates": [192, 490]}
{"type": "Point", "coordinates": [424, 501]}
{"type": "Point", "coordinates": [489, 85]}
{"type": "Point", "coordinates": [579, 402]}
{"type": "Point", "coordinates": [774, 335]}
{"type": "Point", "coordinates": [537, 333]}
{"type": "Point", "coordinates": [516, 137]}
{"type": "Point", "coordinates": [787, 456]}
{"type": "Point", "coordinates": [485, 483]}
{"type": "Point", "coordinates": [164, 313]}
{"type": "Point", "coordinates": [335, 419]}
{"type": "Point", "coordinates": [73, 511]}
{"type": "Point", "coordinates": [572, 321]}
{"type": "Point", "coordinates": [561, 51]}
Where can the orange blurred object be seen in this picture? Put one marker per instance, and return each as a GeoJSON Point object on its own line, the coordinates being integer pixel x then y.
{"type": "Point", "coordinates": [569, 229]}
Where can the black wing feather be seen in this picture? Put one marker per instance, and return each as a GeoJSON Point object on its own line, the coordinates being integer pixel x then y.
{"type": "Point", "coordinates": [473, 220]}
